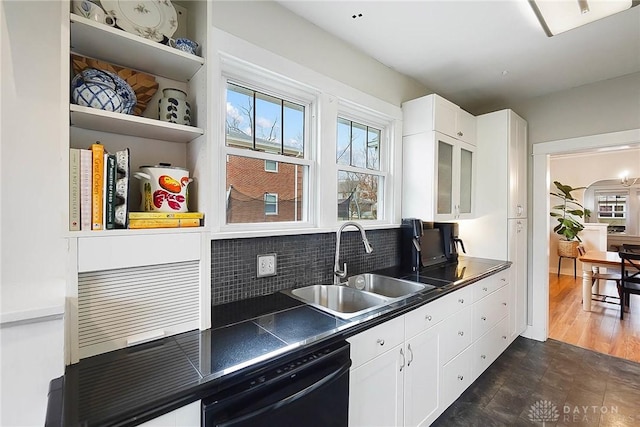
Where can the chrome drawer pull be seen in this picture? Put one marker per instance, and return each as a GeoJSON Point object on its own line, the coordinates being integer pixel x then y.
{"type": "Point", "coordinates": [460, 377]}
{"type": "Point", "coordinates": [483, 357]}
{"type": "Point", "coordinates": [485, 289]}
{"type": "Point", "coordinates": [428, 317]}
{"type": "Point", "coordinates": [461, 333]}
{"type": "Point", "coordinates": [380, 341]}
{"type": "Point", "coordinates": [483, 318]}
{"type": "Point", "coordinates": [461, 301]}
{"type": "Point", "coordinates": [410, 351]}
{"type": "Point", "coordinates": [504, 337]}
{"type": "Point", "coordinates": [504, 303]}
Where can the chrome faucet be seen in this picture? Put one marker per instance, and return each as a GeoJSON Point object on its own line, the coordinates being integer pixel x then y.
{"type": "Point", "coordinates": [341, 274]}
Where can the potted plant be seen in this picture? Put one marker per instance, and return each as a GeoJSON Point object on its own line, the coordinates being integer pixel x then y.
{"type": "Point", "coordinates": [568, 213]}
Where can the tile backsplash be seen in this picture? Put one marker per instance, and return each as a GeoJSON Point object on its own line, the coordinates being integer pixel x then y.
{"type": "Point", "coordinates": [301, 260]}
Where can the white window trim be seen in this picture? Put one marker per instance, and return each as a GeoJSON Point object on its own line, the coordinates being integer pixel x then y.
{"type": "Point", "coordinates": [326, 93]}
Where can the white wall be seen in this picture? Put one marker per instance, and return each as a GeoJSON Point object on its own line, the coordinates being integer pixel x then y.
{"type": "Point", "coordinates": [275, 28]}
{"type": "Point", "coordinates": [608, 106]}
{"type": "Point", "coordinates": [32, 188]}
{"type": "Point", "coordinates": [567, 119]}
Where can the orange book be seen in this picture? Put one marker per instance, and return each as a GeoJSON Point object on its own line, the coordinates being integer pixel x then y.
{"type": "Point", "coordinates": [97, 184]}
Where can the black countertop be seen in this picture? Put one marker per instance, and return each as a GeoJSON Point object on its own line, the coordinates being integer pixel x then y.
{"type": "Point", "coordinates": [133, 385]}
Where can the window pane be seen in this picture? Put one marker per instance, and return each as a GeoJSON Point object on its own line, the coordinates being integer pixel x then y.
{"type": "Point", "coordinates": [373, 149]}
{"type": "Point", "coordinates": [239, 121]}
{"type": "Point", "coordinates": [268, 124]}
{"type": "Point", "coordinates": [466, 184]}
{"type": "Point", "coordinates": [343, 143]}
{"type": "Point", "coordinates": [358, 145]}
{"type": "Point", "coordinates": [445, 177]}
{"type": "Point", "coordinates": [358, 195]}
{"type": "Point", "coordinates": [247, 183]}
{"type": "Point", "coordinates": [293, 129]}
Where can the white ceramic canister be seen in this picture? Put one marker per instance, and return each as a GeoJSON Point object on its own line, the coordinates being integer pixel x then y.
{"type": "Point", "coordinates": [173, 107]}
{"type": "Point", "coordinates": [163, 188]}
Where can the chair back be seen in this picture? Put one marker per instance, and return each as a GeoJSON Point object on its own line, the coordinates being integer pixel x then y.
{"type": "Point", "coordinates": [630, 266]}
{"type": "Point", "coordinates": [628, 247]}
{"type": "Point", "coordinates": [581, 250]}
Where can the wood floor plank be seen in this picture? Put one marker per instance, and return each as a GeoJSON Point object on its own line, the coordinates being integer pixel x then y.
{"type": "Point", "coordinates": [601, 329]}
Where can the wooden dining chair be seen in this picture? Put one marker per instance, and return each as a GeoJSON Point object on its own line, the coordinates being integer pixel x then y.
{"type": "Point", "coordinates": [630, 272]}
{"type": "Point", "coordinates": [596, 276]}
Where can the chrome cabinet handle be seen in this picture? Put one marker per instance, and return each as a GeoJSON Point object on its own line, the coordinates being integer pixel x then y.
{"type": "Point", "coordinates": [460, 133]}
{"type": "Point", "coordinates": [504, 279]}
{"type": "Point", "coordinates": [504, 337]}
{"type": "Point", "coordinates": [380, 341]}
{"type": "Point", "coordinates": [460, 377]}
{"type": "Point", "coordinates": [484, 318]}
{"type": "Point", "coordinates": [504, 303]}
{"type": "Point", "coordinates": [461, 333]}
{"type": "Point", "coordinates": [485, 289]}
{"type": "Point", "coordinates": [483, 356]}
{"type": "Point", "coordinates": [428, 317]}
{"type": "Point", "coordinates": [461, 300]}
{"type": "Point", "coordinates": [402, 354]}
{"type": "Point", "coordinates": [411, 352]}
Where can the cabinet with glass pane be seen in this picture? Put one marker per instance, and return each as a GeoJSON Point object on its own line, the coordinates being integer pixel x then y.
{"type": "Point", "coordinates": [437, 174]}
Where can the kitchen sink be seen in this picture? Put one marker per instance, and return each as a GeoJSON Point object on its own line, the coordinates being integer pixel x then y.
{"type": "Point", "coordinates": [360, 294]}
{"type": "Point", "coordinates": [387, 286]}
{"type": "Point", "coordinates": [342, 301]}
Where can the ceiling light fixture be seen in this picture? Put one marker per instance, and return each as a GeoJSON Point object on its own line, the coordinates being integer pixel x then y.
{"type": "Point", "coordinates": [557, 16]}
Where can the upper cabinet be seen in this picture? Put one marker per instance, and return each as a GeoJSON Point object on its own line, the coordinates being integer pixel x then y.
{"type": "Point", "coordinates": [433, 112]}
{"type": "Point", "coordinates": [438, 149]}
{"type": "Point", "coordinates": [437, 177]}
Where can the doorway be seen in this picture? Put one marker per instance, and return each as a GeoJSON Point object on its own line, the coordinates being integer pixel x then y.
{"type": "Point", "coordinates": [538, 321]}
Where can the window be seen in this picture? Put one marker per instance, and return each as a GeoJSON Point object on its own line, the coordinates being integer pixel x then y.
{"type": "Point", "coordinates": [360, 180]}
{"type": "Point", "coordinates": [270, 166]}
{"type": "Point", "coordinates": [270, 204]}
{"type": "Point", "coordinates": [265, 133]}
{"type": "Point", "coordinates": [612, 206]}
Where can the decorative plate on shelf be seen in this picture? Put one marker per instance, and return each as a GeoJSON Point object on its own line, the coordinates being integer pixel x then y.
{"type": "Point", "coordinates": [151, 19]}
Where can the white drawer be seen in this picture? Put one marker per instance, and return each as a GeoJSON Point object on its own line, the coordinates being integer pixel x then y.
{"type": "Point", "coordinates": [375, 341]}
{"type": "Point", "coordinates": [434, 312]}
{"type": "Point", "coordinates": [490, 346]}
{"type": "Point", "coordinates": [457, 375]}
{"type": "Point", "coordinates": [455, 334]}
{"type": "Point", "coordinates": [488, 311]}
{"type": "Point", "coordinates": [490, 284]}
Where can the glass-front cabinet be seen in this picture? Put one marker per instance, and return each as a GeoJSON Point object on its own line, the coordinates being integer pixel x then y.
{"type": "Point", "coordinates": [437, 177]}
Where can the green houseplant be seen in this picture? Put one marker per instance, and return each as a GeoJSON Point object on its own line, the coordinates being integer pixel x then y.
{"type": "Point", "coordinates": [568, 214]}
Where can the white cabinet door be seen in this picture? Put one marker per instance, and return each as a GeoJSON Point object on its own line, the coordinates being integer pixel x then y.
{"type": "Point", "coordinates": [456, 376]}
{"type": "Point", "coordinates": [517, 165]}
{"type": "Point", "coordinates": [187, 416]}
{"type": "Point", "coordinates": [376, 391]}
{"type": "Point", "coordinates": [421, 386]}
{"type": "Point", "coordinates": [490, 346]}
{"type": "Point", "coordinates": [375, 341]}
{"type": "Point", "coordinates": [466, 127]}
{"type": "Point", "coordinates": [455, 334]}
{"type": "Point", "coordinates": [438, 175]}
{"type": "Point", "coordinates": [517, 245]}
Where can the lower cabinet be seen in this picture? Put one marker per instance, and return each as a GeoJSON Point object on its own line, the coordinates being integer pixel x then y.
{"type": "Point", "coordinates": [186, 416]}
{"type": "Point", "coordinates": [399, 387]}
{"type": "Point", "coordinates": [407, 371]}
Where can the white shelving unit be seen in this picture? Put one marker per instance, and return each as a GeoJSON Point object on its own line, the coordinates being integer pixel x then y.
{"type": "Point", "coordinates": [128, 254]}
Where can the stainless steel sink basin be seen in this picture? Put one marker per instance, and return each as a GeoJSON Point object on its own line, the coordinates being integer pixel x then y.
{"type": "Point", "coordinates": [342, 301]}
{"type": "Point", "coordinates": [386, 286]}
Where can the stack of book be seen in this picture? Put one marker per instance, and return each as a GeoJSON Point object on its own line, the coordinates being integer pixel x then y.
{"type": "Point", "coordinates": [165, 220]}
{"type": "Point", "coordinates": [98, 188]}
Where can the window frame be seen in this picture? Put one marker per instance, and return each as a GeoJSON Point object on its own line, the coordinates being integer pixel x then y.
{"type": "Point", "coordinates": [275, 170]}
{"type": "Point", "coordinates": [266, 202]}
{"type": "Point", "coordinates": [363, 116]}
{"type": "Point", "coordinates": [275, 85]}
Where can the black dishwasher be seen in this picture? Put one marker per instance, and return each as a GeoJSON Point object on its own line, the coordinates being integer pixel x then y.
{"type": "Point", "coordinates": [311, 389]}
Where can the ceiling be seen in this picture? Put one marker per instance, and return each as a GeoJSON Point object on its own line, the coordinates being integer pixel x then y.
{"type": "Point", "coordinates": [480, 54]}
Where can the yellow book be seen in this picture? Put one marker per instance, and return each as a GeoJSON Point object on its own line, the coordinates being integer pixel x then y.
{"type": "Point", "coordinates": [165, 215]}
{"type": "Point", "coordinates": [164, 223]}
{"type": "Point", "coordinates": [97, 184]}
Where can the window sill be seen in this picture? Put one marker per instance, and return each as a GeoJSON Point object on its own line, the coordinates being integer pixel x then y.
{"type": "Point", "coordinates": [220, 235]}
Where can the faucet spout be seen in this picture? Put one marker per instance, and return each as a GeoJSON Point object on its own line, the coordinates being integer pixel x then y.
{"type": "Point", "coordinates": [341, 273]}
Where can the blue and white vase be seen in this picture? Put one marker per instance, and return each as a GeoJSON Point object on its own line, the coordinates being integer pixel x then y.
{"type": "Point", "coordinates": [174, 108]}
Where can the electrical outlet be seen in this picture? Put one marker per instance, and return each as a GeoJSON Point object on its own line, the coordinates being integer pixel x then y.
{"type": "Point", "coordinates": [267, 265]}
